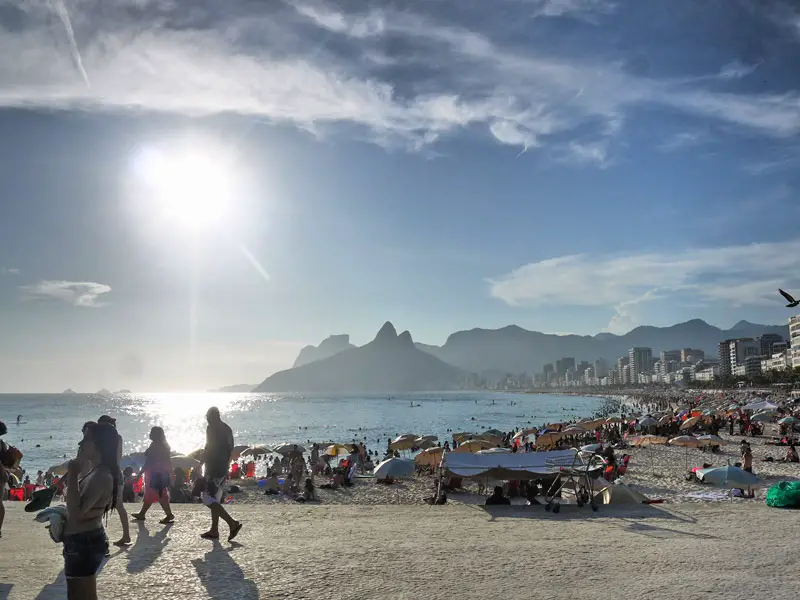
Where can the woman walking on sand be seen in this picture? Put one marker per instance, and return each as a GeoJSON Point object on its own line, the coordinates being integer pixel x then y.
{"type": "Point", "coordinates": [157, 476]}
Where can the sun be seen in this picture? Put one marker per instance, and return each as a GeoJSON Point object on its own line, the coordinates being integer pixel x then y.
{"type": "Point", "coordinates": [191, 188]}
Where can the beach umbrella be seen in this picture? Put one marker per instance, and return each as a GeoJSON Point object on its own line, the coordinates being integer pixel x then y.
{"type": "Point", "coordinates": [462, 435]}
{"type": "Point", "coordinates": [255, 451]}
{"type": "Point", "coordinates": [494, 451]}
{"type": "Point", "coordinates": [526, 432]}
{"type": "Point", "coordinates": [611, 420]}
{"type": "Point", "coordinates": [648, 422]}
{"type": "Point", "coordinates": [59, 469]}
{"type": "Point", "coordinates": [134, 459]}
{"type": "Point", "coordinates": [664, 420]}
{"type": "Point", "coordinates": [761, 417]}
{"type": "Point", "coordinates": [184, 462]}
{"type": "Point", "coordinates": [337, 450]}
{"type": "Point", "coordinates": [762, 405]}
{"type": "Point", "coordinates": [430, 458]}
{"type": "Point", "coordinates": [286, 449]}
{"type": "Point", "coordinates": [574, 430]}
{"type": "Point", "coordinates": [473, 446]}
{"type": "Point", "coordinates": [591, 448]}
{"type": "Point", "coordinates": [430, 438]}
{"type": "Point", "coordinates": [788, 420]}
{"type": "Point", "coordinates": [686, 441]}
{"type": "Point", "coordinates": [651, 440]}
{"type": "Point", "coordinates": [402, 443]}
{"type": "Point", "coordinates": [728, 477]}
{"type": "Point", "coordinates": [423, 444]}
{"type": "Point", "coordinates": [690, 423]}
{"type": "Point", "coordinates": [710, 440]}
{"type": "Point", "coordinates": [237, 451]}
{"type": "Point", "coordinates": [495, 432]}
{"type": "Point", "coordinates": [548, 439]}
{"type": "Point", "coordinates": [198, 454]}
{"type": "Point", "coordinates": [394, 468]}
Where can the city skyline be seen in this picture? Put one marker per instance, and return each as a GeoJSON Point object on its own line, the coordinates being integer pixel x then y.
{"type": "Point", "coordinates": [192, 196]}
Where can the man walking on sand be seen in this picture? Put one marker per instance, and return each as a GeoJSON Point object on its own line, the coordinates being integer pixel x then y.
{"type": "Point", "coordinates": [125, 540]}
{"type": "Point", "coordinates": [217, 459]}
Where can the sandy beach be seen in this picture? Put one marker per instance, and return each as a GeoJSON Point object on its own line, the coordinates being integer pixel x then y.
{"type": "Point", "coordinates": [688, 551]}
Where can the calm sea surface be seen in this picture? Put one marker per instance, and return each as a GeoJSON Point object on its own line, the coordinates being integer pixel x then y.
{"type": "Point", "coordinates": [53, 422]}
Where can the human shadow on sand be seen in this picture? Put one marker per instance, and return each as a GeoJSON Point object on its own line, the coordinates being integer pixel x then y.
{"type": "Point", "coordinates": [5, 590]}
{"type": "Point", "coordinates": [221, 575]}
{"type": "Point", "coordinates": [147, 548]}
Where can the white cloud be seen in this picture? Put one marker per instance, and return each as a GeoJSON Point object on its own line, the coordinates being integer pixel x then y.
{"type": "Point", "coordinates": [76, 293]}
{"type": "Point", "coordinates": [256, 60]}
{"type": "Point", "coordinates": [737, 70]}
{"type": "Point", "coordinates": [9, 271]}
{"type": "Point", "coordinates": [734, 275]}
{"type": "Point", "coordinates": [683, 139]}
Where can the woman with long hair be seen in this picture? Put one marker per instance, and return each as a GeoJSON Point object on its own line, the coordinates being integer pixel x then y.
{"type": "Point", "coordinates": [92, 481]}
{"type": "Point", "coordinates": [157, 476]}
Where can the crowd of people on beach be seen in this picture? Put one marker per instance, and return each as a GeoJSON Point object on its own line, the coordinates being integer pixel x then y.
{"type": "Point", "coordinates": [93, 487]}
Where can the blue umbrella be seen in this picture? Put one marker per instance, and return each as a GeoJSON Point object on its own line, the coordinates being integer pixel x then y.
{"type": "Point", "coordinates": [728, 477]}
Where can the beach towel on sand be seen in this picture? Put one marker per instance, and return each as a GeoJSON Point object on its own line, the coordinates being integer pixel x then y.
{"type": "Point", "coordinates": [784, 494]}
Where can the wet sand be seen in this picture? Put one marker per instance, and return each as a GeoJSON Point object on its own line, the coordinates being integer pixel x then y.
{"type": "Point", "coordinates": [712, 550]}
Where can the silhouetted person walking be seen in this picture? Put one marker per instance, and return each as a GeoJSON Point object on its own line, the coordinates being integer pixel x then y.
{"type": "Point", "coordinates": [217, 460]}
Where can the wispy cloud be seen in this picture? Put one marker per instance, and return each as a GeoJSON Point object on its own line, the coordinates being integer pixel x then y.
{"type": "Point", "coordinates": [9, 271]}
{"type": "Point", "coordinates": [735, 275]}
{"type": "Point", "coordinates": [737, 70]}
{"type": "Point", "coordinates": [255, 59]}
{"type": "Point", "coordinates": [684, 139]}
{"type": "Point", "coordinates": [76, 293]}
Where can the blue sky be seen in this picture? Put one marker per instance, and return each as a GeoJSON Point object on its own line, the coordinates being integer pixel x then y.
{"type": "Point", "coordinates": [565, 165]}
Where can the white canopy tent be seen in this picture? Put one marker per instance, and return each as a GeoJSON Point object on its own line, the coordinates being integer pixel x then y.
{"type": "Point", "coordinates": [524, 465]}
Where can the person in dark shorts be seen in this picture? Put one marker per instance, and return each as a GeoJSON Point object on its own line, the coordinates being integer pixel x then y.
{"type": "Point", "coordinates": [93, 478]}
{"type": "Point", "coordinates": [217, 460]}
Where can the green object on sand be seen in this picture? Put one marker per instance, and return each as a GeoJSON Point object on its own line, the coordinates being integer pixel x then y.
{"type": "Point", "coordinates": [784, 494]}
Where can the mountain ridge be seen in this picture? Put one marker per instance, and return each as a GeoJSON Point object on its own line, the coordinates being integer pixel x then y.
{"type": "Point", "coordinates": [513, 349]}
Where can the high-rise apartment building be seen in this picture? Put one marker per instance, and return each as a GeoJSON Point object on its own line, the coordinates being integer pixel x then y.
{"type": "Point", "coordinates": [794, 340]}
{"type": "Point", "coordinates": [640, 361]}
{"type": "Point", "coordinates": [692, 355]}
{"type": "Point", "coordinates": [670, 356]}
{"type": "Point", "coordinates": [600, 368]}
{"type": "Point", "coordinates": [767, 340]}
{"type": "Point", "coordinates": [724, 353]}
{"type": "Point", "coordinates": [563, 364]}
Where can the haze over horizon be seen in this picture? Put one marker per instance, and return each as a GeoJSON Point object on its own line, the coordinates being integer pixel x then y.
{"type": "Point", "coordinates": [190, 197]}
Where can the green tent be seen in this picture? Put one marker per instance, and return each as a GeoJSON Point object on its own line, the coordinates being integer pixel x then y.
{"type": "Point", "coordinates": [784, 494]}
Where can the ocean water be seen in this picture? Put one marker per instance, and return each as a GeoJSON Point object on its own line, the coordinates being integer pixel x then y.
{"type": "Point", "coordinates": [50, 427]}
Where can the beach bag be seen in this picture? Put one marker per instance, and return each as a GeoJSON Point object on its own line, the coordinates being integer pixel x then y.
{"type": "Point", "coordinates": [10, 457]}
{"type": "Point", "coordinates": [784, 494]}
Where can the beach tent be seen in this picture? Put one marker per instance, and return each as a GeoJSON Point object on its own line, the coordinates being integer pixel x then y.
{"type": "Point", "coordinates": [526, 465]}
{"type": "Point", "coordinates": [620, 494]}
{"type": "Point", "coordinates": [394, 468]}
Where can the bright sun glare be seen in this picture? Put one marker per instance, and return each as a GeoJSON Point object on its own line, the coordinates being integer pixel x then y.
{"type": "Point", "coordinates": [191, 188]}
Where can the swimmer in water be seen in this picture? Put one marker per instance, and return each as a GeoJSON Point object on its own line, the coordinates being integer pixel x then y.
{"type": "Point", "coordinates": [19, 418]}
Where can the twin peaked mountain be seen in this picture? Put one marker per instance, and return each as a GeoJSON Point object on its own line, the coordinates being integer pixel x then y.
{"type": "Point", "coordinates": [394, 362]}
{"type": "Point", "coordinates": [390, 362]}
